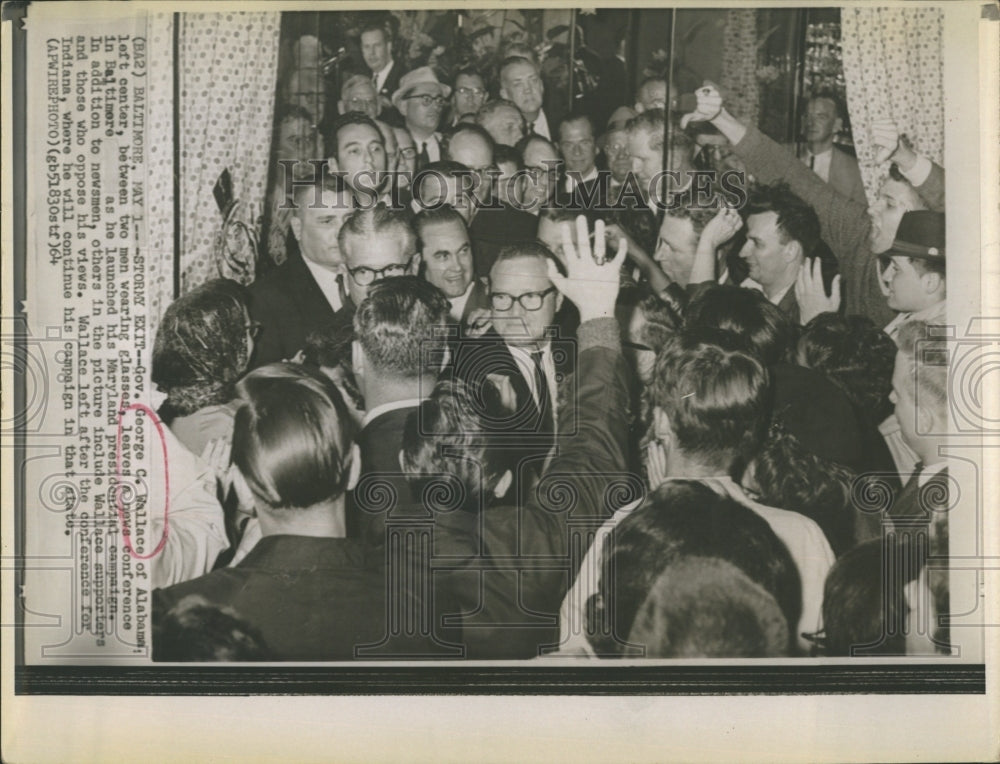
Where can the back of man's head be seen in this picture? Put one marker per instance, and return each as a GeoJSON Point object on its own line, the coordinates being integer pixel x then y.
{"type": "Point", "coordinates": [375, 221]}
{"type": "Point", "coordinates": [715, 398]}
{"type": "Point", "coordinates": [796, 219]}
{"type": "Point", "coordinates": [925, 355]}
{"type": "Point", "coordinates": [399, 327]}
{"type": "Point", "coordinates": [292, 436]}
{"type": "Point", "coordinates": [680, 520]}
{"type": "Point", "coordinates": [651, 123]}
{"type": "Point", "coordinates": [761, 325]}
{"type": "Point", "coordinates": [705, 607]}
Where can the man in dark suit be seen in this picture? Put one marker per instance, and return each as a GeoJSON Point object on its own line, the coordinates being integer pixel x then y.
{"type": "Point", "coordinates": [399, 348]}
{"type": "Point", "coordinates": [305, 588]}
{"type": "Point", "coordinates": [580, 186]}
{"type": "Point", "coordinates": [522, 353]}
{"type": "Point", "coordinates": [376, 49]}
{"type": "Point", "coordinates": [307, 291]}
{"type": "Point", "coordinates": [521, 83]}
{"type": "Point", "coordinates": [447, 263]}
{"type": "Point", "coordinates": [824, 119]}
{"type": "Point", "coordinates": [518, 560]}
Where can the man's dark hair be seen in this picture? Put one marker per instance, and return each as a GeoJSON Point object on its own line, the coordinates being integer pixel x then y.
{"type": "Point", "coordinates": [683, 519]}
{"type": "Point", "coordinates": [465, 127]}
{"type": "Point", "coordinates": [399, 327]}
{"type": "Point", "coordinates": [789, 476]}
{"type": "Point", "coordinates": [196, 630]}
{"type": "Point", "coordinates": [376, 25]}
{"type": "Point", "coordinates": [468, 71]}
{"type": "Point", "coordinates": [525, 249]}
{"type": "Point", "coordinates": [699, 212]}
{"type": "Point", "coordinates": [746, 313]}
{"type": "Point", "coordinates": [556, 214]}
{"type": "Point", "coordinates": [715, 396]}
{"type": "Point", "coordinates": [578, 116]}
{"type": "Point", "coordinates": [503, 154]}
{"type": "Point", "coordinates": [436, 216]}
{"type": "Point", "coordinates": [864, 605]}
{"type": "Point", "coordinates": [331, 130]}
{"type": "Point", "coordinates": [797, 220]}
{"type": "Point", "coordinates": [706, 607]}
{"type": "Point", "coordinates": [653, 122]}
{"type": "Point", "coordinates": [855, 355]}
{"type": "Point", "coordinates": [448, 438]}
{"type": "Point", "coordinates": [447, 168]}
{"type": "Point", "coordinates": [527, 140]}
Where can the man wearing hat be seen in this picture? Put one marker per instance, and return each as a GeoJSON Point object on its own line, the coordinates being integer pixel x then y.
{"type": "Point", "coordinates": [915, 274]}
{"type": "Point", "coordinates": [421, 99]}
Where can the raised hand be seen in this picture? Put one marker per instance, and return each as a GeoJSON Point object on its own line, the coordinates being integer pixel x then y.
{"type": "Point", "coordinates": [811, 294]}
{"type": "Point", "coordinates": [709, 105]}
{"type": "Point", "coordinates": [592, 282]}
{"type": "Point", "coordinates": [721, 228]}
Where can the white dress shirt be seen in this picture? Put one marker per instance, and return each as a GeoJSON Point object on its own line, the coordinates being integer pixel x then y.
{"type": "Point", "coordinates": [819, 163]}
{"type": "Point", "coordinates": [381, 76]}
{"type": "Point", "coordinates": [541, 125]}
{"type": "Point", "coordinates": [749, 283]}
{"type": "Point", "coordinates": [383, 408]}
{"type": "Point", "coordinates": [327, 281]}
{"type": "Point", "coordinates": [433, 146]}
{"type": "Point", "coordinates": [570, 183]}
{"type": "Point", "coordinates": [804, 539]}
{"type": "Point", "coordinates": [458, 303]}
{"type": "Point", "coordinates": [526, 366]}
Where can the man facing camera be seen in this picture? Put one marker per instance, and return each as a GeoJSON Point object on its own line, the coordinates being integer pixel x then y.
{"type": "Point", "coordinates": [307, 291]}
{"type": "Point", "coordinates": [446, 259]}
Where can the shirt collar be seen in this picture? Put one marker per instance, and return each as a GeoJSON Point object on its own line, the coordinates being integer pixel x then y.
{"type": "Point", "coordinates": [327, 281]}
{"type": "Point", "coordinates": [385, 408]}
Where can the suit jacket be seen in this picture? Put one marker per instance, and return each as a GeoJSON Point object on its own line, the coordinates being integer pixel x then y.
{"type": "Point", "coordinates": [289, 305]}
{"type": "Point", "coordinates": [381, 480]}
{"type": "Point", "coordinates": [511, 565]}
{"type": "Point", "coordinates": [845, 176]}
{"type": "Point", "coordinates": [493, 229]}
{"type": "Point", "coordinates": [919, 504]}
{"type": "Point", "coordinates": [310, 598]}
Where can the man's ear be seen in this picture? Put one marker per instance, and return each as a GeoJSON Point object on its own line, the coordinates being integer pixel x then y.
{"type": "Point", "coordinates": [639, 107]}
{"type": "Point", "coordinates": [415, 264]}
{"type": "Point", "coordinates": [661, 426]}
{"type": "Point", "coordinates": [296, 223]}
{"type": "Point", "coordinates": [793, 251]}
{"type": "Point", "coordinates": [503, 484]}
{"type": "Point", "coordinates": [503, 93]}
{"type": "Point", "coordinates": [559, 301]}
{"type": "Point", "coordinates": [340, 107]}
{"type": "Point", "coordinates": [357, 359]}
{"type": "Point", "coordinates": [355, 469]}
{"type": "Point", "coordinates": [401, 458]}
{"type": "Point", "coordinates": [931, 282]}
{"type": "Point", "coordinates": [838, 126]}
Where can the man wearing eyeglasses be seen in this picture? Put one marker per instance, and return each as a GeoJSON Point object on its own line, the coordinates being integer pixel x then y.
{"type": "Point", "coordinates": [469, 94]}
{"type": "Point", "coordinates": [376, 243]}
{"type": "Point", "coordinates": [358, 94]}
{"type": "Point", "coordinates": [421, 99]}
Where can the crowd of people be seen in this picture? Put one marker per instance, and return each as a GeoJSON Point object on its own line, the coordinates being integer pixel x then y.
{"type": "Point", "coordinates": [519, 389]}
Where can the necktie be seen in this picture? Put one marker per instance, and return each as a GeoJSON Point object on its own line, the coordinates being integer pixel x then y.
{"type": "Point", "coordinates": [812, 162]}
{"type": "Point", "coordinates": [341, 289]}
{"type": "Point", "coordinates": [545, 423]}
{"type": "Point", "coordinates": [423, 158]}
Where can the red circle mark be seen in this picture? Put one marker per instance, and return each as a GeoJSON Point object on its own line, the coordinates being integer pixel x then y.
{"type": "Point", "coordinates": [166, 479]}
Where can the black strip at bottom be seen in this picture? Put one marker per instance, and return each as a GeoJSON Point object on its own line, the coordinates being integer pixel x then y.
{"type": "Point", "coordinates": [503, 680]}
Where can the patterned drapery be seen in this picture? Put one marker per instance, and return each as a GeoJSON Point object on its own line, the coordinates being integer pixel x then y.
{"type": "Point", "coordinates": [227, 71]}
{"type": "Point", "coordinates": [739, 64]}
{"type": "Point", "coordinates": [892, 68]}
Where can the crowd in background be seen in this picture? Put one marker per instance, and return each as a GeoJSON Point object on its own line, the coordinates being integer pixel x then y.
{"type": "Point", "coordinates": [513, 391]}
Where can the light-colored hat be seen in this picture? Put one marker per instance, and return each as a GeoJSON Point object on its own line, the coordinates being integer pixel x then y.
{"type": "Point", "coordinates": [621, 115]}
{"type": "Point", "coordinates": [410, 80]}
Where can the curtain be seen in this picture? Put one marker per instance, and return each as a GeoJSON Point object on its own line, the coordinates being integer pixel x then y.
{"type": "Point", "coordinates": [893, 70]}
{"type": "Point", "coordinates": [739, 65]}
{"type": "Point", "coordinates": [227, 80]}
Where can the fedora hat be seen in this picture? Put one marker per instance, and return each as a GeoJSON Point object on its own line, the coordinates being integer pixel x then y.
{"type": "Point", "coordinates": [920, 234]}
{"type": "Point", "coordinates": [421, 76]}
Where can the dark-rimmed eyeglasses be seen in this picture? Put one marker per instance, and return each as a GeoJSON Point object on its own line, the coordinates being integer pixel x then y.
{"type": "Point", "coordinates": [425, 99]}
{"type": "Point", "coordinates": [501, 301]}
{"type": "Point", "coordinates": [636, 346]}
{"type": "Point", "coordinates": [363, 275]}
